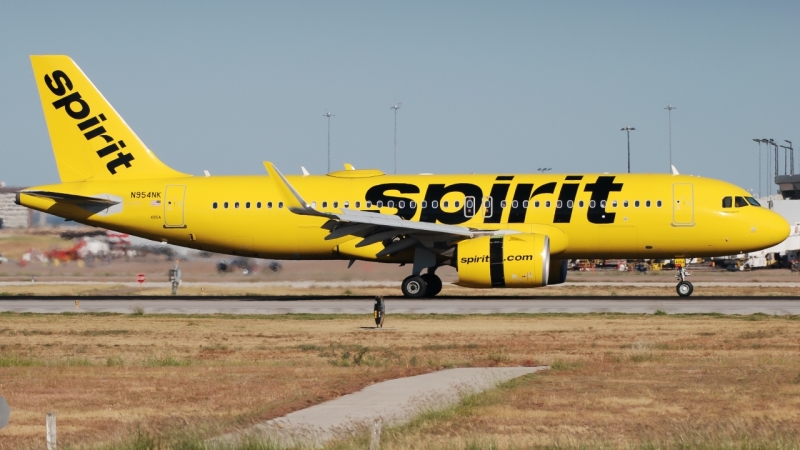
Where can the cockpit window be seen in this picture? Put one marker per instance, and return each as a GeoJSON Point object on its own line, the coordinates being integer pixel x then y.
{"type": "Point", "coordinates": [752, 201]}
{"type": "Point", "coordinates": [727, 202]}
{"type": "Point", "coordinates": [740, 202]}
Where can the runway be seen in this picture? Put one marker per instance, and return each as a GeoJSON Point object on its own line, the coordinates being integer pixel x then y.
{"type": "Point", "coordinates": [469, 305]}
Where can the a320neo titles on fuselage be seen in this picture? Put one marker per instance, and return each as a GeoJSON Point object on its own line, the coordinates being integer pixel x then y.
{"type": "Point", "coordinates": [497, 230]}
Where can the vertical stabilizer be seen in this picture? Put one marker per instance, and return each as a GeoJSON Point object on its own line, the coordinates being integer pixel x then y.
{"type": "Point", "coordinates": [90, 140]}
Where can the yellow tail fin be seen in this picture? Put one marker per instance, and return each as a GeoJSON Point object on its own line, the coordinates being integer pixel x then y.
{"type": "Point", "coordinates": [90, 140]}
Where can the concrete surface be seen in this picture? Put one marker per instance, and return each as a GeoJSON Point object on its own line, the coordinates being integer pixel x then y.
{"type": "Point", "coordinates": [468, 305]}
{"type": "Point", "coordinates": [392, 402]}
{"type": "Point", "coordinates": [388, 283]}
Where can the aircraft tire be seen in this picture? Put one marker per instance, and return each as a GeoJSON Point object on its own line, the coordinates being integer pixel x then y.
{"type": "Point", "coordinates": [684, 288]}
{"type": "Point", "coordinates": [434, 284]}
{"type": "Point", "coordinates": [414, 287]}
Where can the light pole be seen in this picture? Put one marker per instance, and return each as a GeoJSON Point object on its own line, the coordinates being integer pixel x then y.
{"type": "Point", "coordinates": [759, 166]}
{"type": "Point", "coordinates": [669, 109]}
{"type": "Point", "coordinates": [766, 167]}
{"type": "Point", "coordinates": [629, 129]}
{"type": "Point", "coordinates": [772, 143]}
{"type": "Point", "coordinates": [395, 108]}
{"type": "Point", "coordinates": [791, 157]}
{"type": "Point", "coordinates": [329, 115]}
{"type": "Point", "coordinates": [785, 159]}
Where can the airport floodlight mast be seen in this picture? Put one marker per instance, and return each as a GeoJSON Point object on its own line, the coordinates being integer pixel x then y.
{"type": "Point", "coordinates": [669, 109]}
{"type": "Point", "coordinates": [543, 169]}
{"type": "Point", "coordinates": [772, 143]}
{"type": "Point", "coordinates": [766, 168]}
{"type": "Point", "coordinates": [395, 108]}
{"type": "Point", "coordinates": [629, 129]}
{"type": "Point", "coordinates": [329, 115]}
{"type": "Point", "coordinates": [785, 159]}
{"type": "Point", "coordinates": [791, 157]}
{"type": "Point", "coordinates": [759, 166]}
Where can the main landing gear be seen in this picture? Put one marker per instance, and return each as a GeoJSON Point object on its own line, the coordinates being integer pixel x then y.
{"type": "Point", "coordinates": [419, 286]}
{"type": "Point", "coordinates": [684, 287]}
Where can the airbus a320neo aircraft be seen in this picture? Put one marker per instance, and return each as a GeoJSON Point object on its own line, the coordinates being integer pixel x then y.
{"type": "Point", "coordinates": [498, 230]}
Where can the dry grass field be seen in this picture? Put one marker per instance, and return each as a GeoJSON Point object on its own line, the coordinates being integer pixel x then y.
{"type": "Point", "coordinates": [641, 381]}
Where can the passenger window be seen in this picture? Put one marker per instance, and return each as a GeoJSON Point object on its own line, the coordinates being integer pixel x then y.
{"type": "Point", "coordinates": [336, 204]}
{"type": "Point", "coordinates": [558, 203]}
{"type": "Point", "coordinates": [236, 205]}
{"type": "Point", "coordinates": [225, 205]}
{"type": "Point", "coordinates": [591, 203]}
{"type": "Point", "coordinates": [503, 204]}
{"type": "Point", "coordinates": [614, 203]}
{"type": "Point", "coordinates": [514, 204]}
{"type": "Point", "coordinates": [324, 205]}
{"type": "Point", "coordinates": [435, 204]}
{"type": "Point", "coordinates": [445, 204]}
{"type": "Point", "coordinates": [580, 204]}
{"type": "Point", "coordinates": [214, 205]}
{"type": "Point", "coordinates": [547, 204]}
{"type": "Point", "coordinates": [727, 202]}
{"type": "Point", "coordinates": [636, 203]}
{"type": "Point", "coordinates": [424, 204]}
{"type": "Point", "coordinates": [487, 204]}
{"type": "Point", "coordinates": [247, 205]}
{"type": "Point", "coordinates": [269, 205]}
{"type": "Point", "coordinates": [280, 204]}
{"type": "Point", "coordinates": [369, 204]}
{"type": "Point", "coordinates": [314, 205]}
{"type": "Point", "coordinates": [752, 201]}
{"type": "Point", "coordinates": [412, 204]}
{"type": "Point", "coordinates": [401, 204]}
{"type": "Point", "coordinates": [536, 204]}
{"type": "Point", "coordinates": [625, 203]}
{"type": "Point", "coordinates": [524, 204]}
{"type": "Point", "coordinates": [456, 203]}
{"type": "Point", "coordinates": [346, 204]}
{"type": "Point", "coordinates": [258, 205]}
{"type": "Point", "coordinates": [390, 204]}
{"type": "Point", "coordinates": [602, 203]}
{"type": "Point", "coordinates": [379, 203]}
{"type": "Point", "coordinates": [658, 203]}
{"type": "Point", "coordinates": [569, 204]}
{"type": "Point", "coordinates": [647, 203]}
{"type": "Point", "coordinates": [740, 202]}
{"type": "Point", "coordinates": [358, 205]}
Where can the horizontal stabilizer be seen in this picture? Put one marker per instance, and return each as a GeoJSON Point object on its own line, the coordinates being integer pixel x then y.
{"type": "Point", "coordinates": [71, 198]}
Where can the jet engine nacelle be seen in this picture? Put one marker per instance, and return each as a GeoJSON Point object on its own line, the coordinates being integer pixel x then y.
{"type": "Point", "coordinates": [558, 271]}
{"type": "Point", "coordinates": [511, 261]}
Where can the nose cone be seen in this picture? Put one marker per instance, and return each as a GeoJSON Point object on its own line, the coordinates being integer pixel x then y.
{"type": "Point", "coordinates": [771, 228]}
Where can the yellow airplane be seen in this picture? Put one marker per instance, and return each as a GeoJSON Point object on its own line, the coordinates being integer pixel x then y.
{"type": "Point", "coordinates": [497, 230]}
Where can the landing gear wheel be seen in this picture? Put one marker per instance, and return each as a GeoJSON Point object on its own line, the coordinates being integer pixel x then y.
{"type": "Point", "coordinates": [684, 288]}
{"type": "Point", "coordinates": [414, 287]}
{"type": "Point", "coordinates": [434, 284]}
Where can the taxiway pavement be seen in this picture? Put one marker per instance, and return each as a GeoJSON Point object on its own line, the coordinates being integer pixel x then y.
{"type": "Point", "coordinates": [467, 305]}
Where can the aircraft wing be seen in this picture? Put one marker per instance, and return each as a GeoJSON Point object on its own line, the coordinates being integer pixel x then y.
{"type": "Point", "coordinates": [374, 227]}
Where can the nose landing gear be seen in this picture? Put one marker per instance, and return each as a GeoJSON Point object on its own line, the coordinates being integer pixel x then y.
{"type": "Point", "coordinates": [684, 288]}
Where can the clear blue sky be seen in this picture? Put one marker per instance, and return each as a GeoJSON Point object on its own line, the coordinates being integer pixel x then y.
{"type": "Point", "coordinates": [486, 86]}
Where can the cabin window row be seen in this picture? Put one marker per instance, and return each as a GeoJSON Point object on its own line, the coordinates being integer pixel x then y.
{"type": "Point", "coordinates": [401, 204]}
{"type": "Point", "coordinates": [246, 205]}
